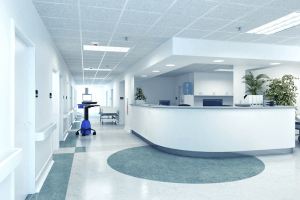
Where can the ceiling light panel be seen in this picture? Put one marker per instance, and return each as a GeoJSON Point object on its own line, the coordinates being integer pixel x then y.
{"type": "Point", "coordinates": [224, 70]}
{"type": "Point", "coordinates": [278, 25]}
{"type": "Point", "coordinates": [105, 48]}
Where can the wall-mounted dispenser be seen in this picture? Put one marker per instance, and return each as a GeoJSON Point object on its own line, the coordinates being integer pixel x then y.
{"type": "Point", "coordinates": [36, 93]}
{"type": "Point", "coordinates": [50, 95]}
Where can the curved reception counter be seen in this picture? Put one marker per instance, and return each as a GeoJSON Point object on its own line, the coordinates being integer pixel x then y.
{"type": "Point", "coordinates": [216, 131]}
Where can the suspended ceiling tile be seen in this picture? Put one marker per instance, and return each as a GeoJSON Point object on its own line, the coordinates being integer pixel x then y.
{"type": "Point", "coordinates": [176, 21]}
{"type": "Point", "coordinates": [59, 23]}
{"type": "Point", "coordinates": [264, 15]}
{"type": "Point", "coordinates": [122, 44]}
{"type": "Point", "coordinates": [209, 24]}
{"type": "Point", "coordinates": [229, 11]}
{"type": "Point", "coordinates": [246, 2]}
{"type": "Point", "coordinates": [96, 35]}
{"type": "Point", "coordinates": [245, 27]}
{"type": "Point", "coordinates": [57, 10]}
{"type": "Point", "coordinates": [115, 4]}
{"type": "Point", "coordinates": [291, 32]}
{"type": "Point", "coordinates": [64, 33]}
{"type": "Point", "coordinates": [139, 18]}
{"type": "Point", "coordinates": [99, 14]}
{"type": "Point", "coordinates": [154, 39]}
{"type": "Point", "coordinates": [221, 36]}
{"type": "Point", "coordinates": [247, 37]}
{"type": "Point", "coordinates": [121, 37]}
{"type": "Point", "coordinates": [61, 40]}
{"type": "Point", "coordinates": [71, 2]}
{"type": "Point", "coordinates": [163, 32]}
{"type": "Point", "coordinates": [270, 40]}
{"type": "Point", "coordinates": [191, 7]}
{"type": "Point", "coordinates": [157, 6]}
{"type": "Point", "coordinates": [132, 29]}
{"type": "Point", "coordinates": [292, 5]}
{"type": "Point", "coordinates": [97, 26]}
{"type": "Point", "coordinates": [196, 34]}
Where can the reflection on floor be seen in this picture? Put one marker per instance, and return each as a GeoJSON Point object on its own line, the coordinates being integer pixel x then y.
{"type": "Point", "coordinates": [81, 172]}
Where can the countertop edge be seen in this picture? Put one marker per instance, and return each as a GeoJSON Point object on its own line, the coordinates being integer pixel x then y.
{"type": "Point", "coordinates": [212, 107]}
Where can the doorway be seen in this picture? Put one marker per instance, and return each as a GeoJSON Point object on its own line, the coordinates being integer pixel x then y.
{"type": "Point", "coordinates": [24, 114]}
{"type": "Point", "coordinates": [112, 98]}
{"type": "Point", "coordinates": [55, 108]}
{"type": "Point", "coordinates": [122, 102]}
{"type": "Point", "coordinates": [61, 108]}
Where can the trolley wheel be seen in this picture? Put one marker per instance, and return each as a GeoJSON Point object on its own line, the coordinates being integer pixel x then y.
{"type": "Point", "coordinates": [77, 132]}
{"type": "Point", "coordinates": [115, 123]}
{"type": "Point", "coordinates": [299, 138]}
{"type": "Point", "coordinates": [94, 133]}
{"type": "Point", "coordinates": [83, 134]}
{"type": "Point", "coordinates": [102, 123]}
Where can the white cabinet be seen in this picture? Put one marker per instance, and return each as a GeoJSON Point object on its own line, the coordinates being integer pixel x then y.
{"type": "Point", "coordinates": [187, 99]}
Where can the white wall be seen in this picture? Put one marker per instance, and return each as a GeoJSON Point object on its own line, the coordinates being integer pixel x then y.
{"type": "Point", "coordinates": [158, 88]}
{"type": "Point", "coordinates": [26, 17]}
{"type": "Point", "coordinates": [278, 72]}
{"type": "Point", "coordinates": [208, 83]}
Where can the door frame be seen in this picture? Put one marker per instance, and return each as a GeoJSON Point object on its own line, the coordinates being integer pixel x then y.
{"type": "Point", "coordinates": [55, 100]}
{"type": "Point", "coordinates": [17, 31]}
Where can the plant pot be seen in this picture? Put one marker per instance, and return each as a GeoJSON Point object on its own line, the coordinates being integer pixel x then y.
{"type": "Point", "coordinates": [140, 102]}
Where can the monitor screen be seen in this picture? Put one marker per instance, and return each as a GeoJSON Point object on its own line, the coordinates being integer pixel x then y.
{"type": "Point", "coordinates": [86, 97]}
{"type": "Point", "coordinates": [212, 102]}
{"type": "Point", "coordinates": [164, 102]}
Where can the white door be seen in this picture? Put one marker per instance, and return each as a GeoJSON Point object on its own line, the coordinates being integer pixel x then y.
{"type": "Point", "coordinates": [55, 109]}
{"type": "Point", "coordinates": [61, 108]}
{"type": "Point", "coordinates": [112, 97]}
{"type": "Point", "coordinates": [24, 115]}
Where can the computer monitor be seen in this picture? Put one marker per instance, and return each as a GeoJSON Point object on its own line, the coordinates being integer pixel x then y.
{"type": "Point", "coordinates": [164, 102]}
{"type": "Point", "coordinates": [212, 102]}
{"type": "Point", "coordinates": [86, 98]}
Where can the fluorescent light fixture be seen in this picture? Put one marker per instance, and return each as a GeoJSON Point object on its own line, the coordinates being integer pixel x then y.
{"type": "Point", "coordinates": [105, 48]}
{"type": "Point", "coordinates": [218, 60]}
{"type": "Point", "coordinates": [170, 65]}
{"type": "Point", "coordinates": [224, 70]}
{"type": "Point", "coordinates": [280, 24]}
{"type": "Point", "coordinates": [275, 63]}
{"type": "Point", "coordinates": [143, 75]}
{"type": "Point", "coordinates": [155, 71]}
{"type": "Point", "coordinates": [95, 69]}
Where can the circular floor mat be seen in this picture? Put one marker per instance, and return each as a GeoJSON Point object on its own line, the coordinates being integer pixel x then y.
{"type": "Point", "coordinates": [147, 163]}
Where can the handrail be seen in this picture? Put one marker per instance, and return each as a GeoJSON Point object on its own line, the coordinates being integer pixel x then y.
{"type": "Point", "coordinates": [9, 162]}
{"type": "Point", "coordinates": [68, 113]}
{"type": "Point", "coordinates": [40, 136]}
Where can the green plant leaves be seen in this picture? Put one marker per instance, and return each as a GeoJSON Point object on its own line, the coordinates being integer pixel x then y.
{"type": "Point", "coordinates": [282, 90]}
{"type": "Point", "coordinates": [139, 95]}
{"type": "Point", "coordinates": [254, 84]}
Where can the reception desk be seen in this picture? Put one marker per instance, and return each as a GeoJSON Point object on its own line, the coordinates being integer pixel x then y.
{"type": "Point", "coordinates": [216, 131]}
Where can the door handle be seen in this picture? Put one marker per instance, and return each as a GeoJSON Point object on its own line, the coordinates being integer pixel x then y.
{"type": "Point", "coordinates": [28, 124]}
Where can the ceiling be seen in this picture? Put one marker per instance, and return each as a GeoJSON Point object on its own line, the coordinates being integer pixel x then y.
{"type": "Point", "coordinates": [148, 24]}
{"type": "Point", "coordinates": [198, 67]}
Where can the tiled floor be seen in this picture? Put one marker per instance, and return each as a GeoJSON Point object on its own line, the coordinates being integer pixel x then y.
{"type": "Point", "coordinates": [81, 172]}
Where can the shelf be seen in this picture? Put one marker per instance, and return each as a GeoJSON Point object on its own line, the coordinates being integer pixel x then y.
{"type": "Point", "coordinates": [213, 95]}
{"type": "Point", "coordinates": [40, 136]}
{"type": "Point", "coordinates": [9, 161]}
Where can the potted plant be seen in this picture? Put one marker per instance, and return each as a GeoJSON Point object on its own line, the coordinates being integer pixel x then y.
{"type": "Point", "coordinates": [254, 86]}
{"type": "Point", "coordinates": [282, 90]}
{"type": "Point", "coordinates": [139, 96]}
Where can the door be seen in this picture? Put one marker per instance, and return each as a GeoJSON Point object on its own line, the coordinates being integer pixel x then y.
{"type": "Point", "coordinates": [112, 98]}
{"type": "Point", "coordinates": [24, 115]}
{"type": "Point", "coordinates": [55, 109]}
{"type": "Point", "coordinates": [180, 95]}
{"type": "Point", "coordinates": [61, 108]}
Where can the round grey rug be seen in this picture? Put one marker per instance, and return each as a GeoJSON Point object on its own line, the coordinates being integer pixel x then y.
{"type": "Point", "coordinates": [147, 163]}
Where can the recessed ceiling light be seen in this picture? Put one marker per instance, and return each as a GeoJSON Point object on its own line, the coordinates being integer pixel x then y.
{"type": "Point", "coordinates": [170, 65]}
{"type": "Point", "coordinates": [280, 24]}
{"type": "Point", "coordinates": [95, 69]}
{"type": "Point", "coordinates": [274, 63]}
{"type": "Point", "coordinates": [155, 71]}
{"type": "Point", "coordinates": [218, 60]}
{"type": "Point", "coordinates": [105, 48]}
{"type": "Point", "coordinates": [224, 70]}
{"type": "Point", "coordinates": [143, 75]}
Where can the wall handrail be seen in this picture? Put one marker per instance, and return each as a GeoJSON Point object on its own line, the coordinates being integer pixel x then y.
{"type": "Point", "coordinates": [40, 136]}
{"type": "Point", "coordinates": [9, 161]}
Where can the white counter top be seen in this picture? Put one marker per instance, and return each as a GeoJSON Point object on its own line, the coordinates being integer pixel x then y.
{"type": "Point", "coordinates": [211, 107]}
